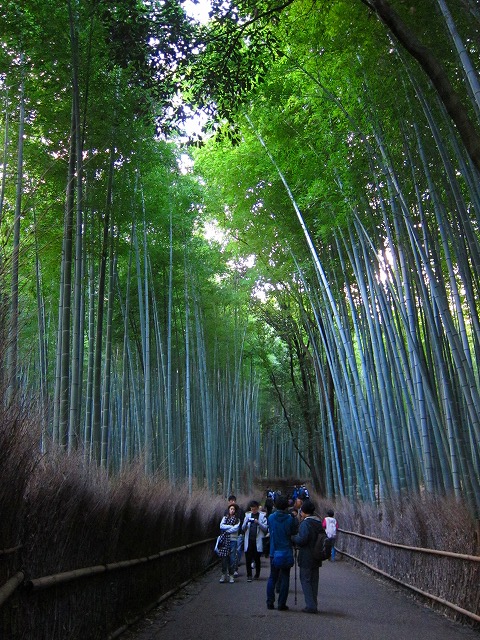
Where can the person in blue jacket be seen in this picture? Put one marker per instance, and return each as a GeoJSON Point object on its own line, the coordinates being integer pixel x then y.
{"type": "Point", "coordinates": [282, 527]}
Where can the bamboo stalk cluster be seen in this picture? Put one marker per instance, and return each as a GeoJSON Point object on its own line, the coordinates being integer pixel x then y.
{"type": "Point", "coordinates": [368, 203]}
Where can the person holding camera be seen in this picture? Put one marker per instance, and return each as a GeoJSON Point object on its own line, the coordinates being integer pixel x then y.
{"type": "Point", "coordinates": [255, 526]}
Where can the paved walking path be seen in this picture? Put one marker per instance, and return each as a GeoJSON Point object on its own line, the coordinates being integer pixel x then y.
{"type": "Point", "coordinates": [353, 605]}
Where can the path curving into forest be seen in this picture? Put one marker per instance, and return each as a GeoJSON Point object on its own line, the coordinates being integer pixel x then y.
{"type": "Point", "coordinates": [353, 605]}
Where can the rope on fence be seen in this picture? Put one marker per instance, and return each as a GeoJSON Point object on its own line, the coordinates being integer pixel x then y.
{"type": "Point", "coordinates": [446, 603]}
{"type": "Point", "coordinates": [436, 552]}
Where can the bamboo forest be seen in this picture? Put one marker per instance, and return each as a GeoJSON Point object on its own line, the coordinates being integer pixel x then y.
{"type": "Point", "coordinates": [240, 239]}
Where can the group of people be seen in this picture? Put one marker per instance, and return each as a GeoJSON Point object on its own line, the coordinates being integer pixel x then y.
{"type": "Point", "coordinates": [291, 527]}
{"type": "Point", "coordinates": [244, 532]}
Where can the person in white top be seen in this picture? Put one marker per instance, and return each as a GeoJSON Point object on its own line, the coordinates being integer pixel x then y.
{"type": "Point", "coordinates": [255, 526]}
{"type": "Point", "coordinates": [330, 525]}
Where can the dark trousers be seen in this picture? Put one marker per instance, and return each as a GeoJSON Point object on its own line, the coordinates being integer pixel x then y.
{"type": "Point", "coordinates": [283, 577]}
{"type": "Point", "coordinates": [252, 555]}
{"type": "Point", "coordinates": [309, 581]}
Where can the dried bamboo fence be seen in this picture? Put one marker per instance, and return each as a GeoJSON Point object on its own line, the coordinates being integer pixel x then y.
{"type": "Point", "coordinates": [451, 580]}
{"type": "Point", "coordinates": [93, 603]}
{"type": "Point", "coordinates": [99, 601]}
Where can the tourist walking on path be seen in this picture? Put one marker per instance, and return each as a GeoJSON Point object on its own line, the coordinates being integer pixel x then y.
{"type": "Point", "coordinates": [310, 527]}
{"type": "Point", "coordinates": [330, 525]}
{"type": "Point", "coordinates": [269, 503]}
{"type": "Point", "coordinates": [230, 525]}
{"type": "Point", "coordinates": [241, 515]}
{"type": "Point", "coordinates": [255, 526]}
{"type": "Point", "coordinates": [282, 527]}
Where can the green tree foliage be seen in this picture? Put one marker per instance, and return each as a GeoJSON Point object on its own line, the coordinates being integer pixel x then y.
{"type": "Point", "coordinates": [338, 293]}
{"type": "Point", "coordinates": [151, 42]}
{"type": "Point", "coordinates": [109, 214]}
{"type": "Point", "coordinates": [339, 183]}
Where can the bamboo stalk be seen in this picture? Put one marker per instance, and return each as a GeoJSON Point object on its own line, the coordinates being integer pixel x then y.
{"type": "Point", "coordinates": [446, 603]}
{"type": "Point", "coordinates": [121, 630]}
{"type": "Point", "coordinates": [9, 587]}
{"type": "Point", "coordinates": [4, 552]}
{"type": "Point", "coordinates": [68, 576]}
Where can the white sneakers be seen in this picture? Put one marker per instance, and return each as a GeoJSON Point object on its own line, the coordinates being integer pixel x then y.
{"type": "Point", "coordinates": [223, 578]}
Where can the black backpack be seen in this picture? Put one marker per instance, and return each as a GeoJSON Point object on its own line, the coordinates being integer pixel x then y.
{"type": "Point", "coordinates": [322, 549]}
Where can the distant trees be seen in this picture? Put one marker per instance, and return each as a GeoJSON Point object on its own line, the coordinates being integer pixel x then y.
{"type": "Point", "coordinates": [331, 322]}
{"type": "Point", "coordinates": [114, 305]}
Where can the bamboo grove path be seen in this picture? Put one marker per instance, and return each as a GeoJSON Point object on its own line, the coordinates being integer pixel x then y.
{"type": "Point", "coordinates": [353, 605]}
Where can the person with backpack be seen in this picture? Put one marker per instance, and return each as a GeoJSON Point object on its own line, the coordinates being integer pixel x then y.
{"type": "Point", "coordinates": [303, 492]}
{"type": "Point", "coordinates": [330, 525]}
{"type": "Point", "coordinates": [310, 528]}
